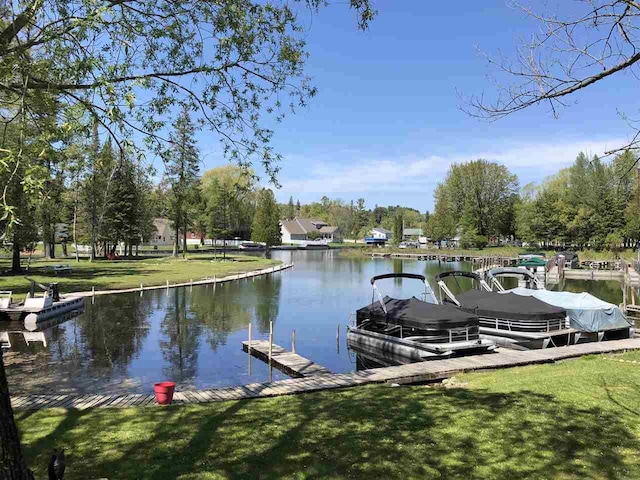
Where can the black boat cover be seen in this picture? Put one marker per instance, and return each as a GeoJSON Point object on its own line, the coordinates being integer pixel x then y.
{"type": "Point", "coordinates": [415, 313]}
{"type": "Point", "coordinates": [508, 306]}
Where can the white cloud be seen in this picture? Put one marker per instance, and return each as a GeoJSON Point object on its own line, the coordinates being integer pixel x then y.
{"type": "Point", "coordinates": [353, 175]}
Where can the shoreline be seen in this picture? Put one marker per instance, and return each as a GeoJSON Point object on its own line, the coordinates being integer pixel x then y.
{"type": "Point", "coordinates": [206, 281]}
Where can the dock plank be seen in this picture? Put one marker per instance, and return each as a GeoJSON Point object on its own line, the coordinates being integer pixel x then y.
{"type": "Point", "coordinates": [413, 372]}
{"type": "Point", "coordinates": [284, 360]}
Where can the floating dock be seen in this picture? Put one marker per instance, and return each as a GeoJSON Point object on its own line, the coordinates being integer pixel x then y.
{"type": "Point", "coordinates": [288, 362]}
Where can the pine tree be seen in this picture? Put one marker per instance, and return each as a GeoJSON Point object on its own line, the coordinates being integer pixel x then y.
{"type": "Point", "coordinates": [298, 207]}
{"type": "Point", "coordinates": [290, 212]}
{"type": "Point", "coordinates": [182, 169]}
{"type": "Point", "coordinates": [397, 229]}
{"type": "Point", "coordinates": [266, 222]}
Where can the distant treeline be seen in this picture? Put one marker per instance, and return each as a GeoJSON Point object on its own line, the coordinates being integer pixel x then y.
{"type": "Point", "coordinates": [354, 219]}
{"type": "Point", "coordinates": [590, 204]}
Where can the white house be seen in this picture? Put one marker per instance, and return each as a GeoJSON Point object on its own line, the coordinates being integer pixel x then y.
{"type": "Point", "coordinates": [302, 230]}
{"type": "Point", "coordinates": [381, 233]}
{"type": "Point", "coordinates": [163, 234]}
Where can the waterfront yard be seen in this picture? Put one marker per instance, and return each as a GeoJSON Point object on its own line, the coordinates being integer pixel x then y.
{"type": "Point", "coordinates": [129, 273]}
{"type": "Point", "coordinates": [576, 419]}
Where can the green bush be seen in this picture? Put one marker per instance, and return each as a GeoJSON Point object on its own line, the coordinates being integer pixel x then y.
{"type": "Point", "coordinates": [481, 241]}
{"type": "Point", "coordinates": [314, 235]}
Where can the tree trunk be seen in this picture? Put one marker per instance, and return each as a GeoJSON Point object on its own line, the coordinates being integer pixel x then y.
{"type": "Point", "coordinates": [15, 260]}
{"type": "Point", "coordinates": [12, 463]}
{"type": "Point", "coordinates": [184, 245]}
{"type": "Point", "coordinates": [176, 242]}
{"type": "Point", "coordinates": [92, 252]}
{"type": "Point", "coordinates": [52, 248]}
{"type": "Point", "coordinates": [45, 247]}
{"type": "Point", "coordinates": [65, 253]}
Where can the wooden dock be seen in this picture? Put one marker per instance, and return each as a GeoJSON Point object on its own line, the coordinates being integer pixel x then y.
{"type": "Point", "coordinates": [411, 373]}
{"type": "Point", "coordinates": [288, 362]}
{"type": "Point", "coordinates": [446, 257]}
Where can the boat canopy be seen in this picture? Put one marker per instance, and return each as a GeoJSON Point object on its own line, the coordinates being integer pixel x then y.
{"type": "Point", "coordinates": [533, 262]}
{"type": "Point", "coordinates": [586, 312]}
{"type": "Point", "coordinates": [415, 313]}
{"type": "Point", "coordinates": [508, 305]}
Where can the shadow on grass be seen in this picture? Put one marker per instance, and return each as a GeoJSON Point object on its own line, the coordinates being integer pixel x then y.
{"type": "Point", "coordinates": [375, 432]}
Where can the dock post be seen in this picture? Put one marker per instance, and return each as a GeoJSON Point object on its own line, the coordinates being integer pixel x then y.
{"type": "Point", "coordinates": [191, 285]}
{"type": "Point", "coordinates": [93, 295]}
{"type": "Point", "coordinates": [270, 349]}
{"type": "Point", "coordinates": [141, 289]}
{"type": "Point", "coordinates": [293, 341]}
{"type": "Point", "coordinates": [249, 344]}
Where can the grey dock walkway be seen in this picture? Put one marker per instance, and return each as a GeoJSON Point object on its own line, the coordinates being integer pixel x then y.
{"type": "Point", "coordinates": [414, 372]}
{"type": "Point", "coordinates": [284, 360]}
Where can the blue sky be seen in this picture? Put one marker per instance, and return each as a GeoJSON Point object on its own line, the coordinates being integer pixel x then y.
{"type": "Point", "coordinates": [386, 122]}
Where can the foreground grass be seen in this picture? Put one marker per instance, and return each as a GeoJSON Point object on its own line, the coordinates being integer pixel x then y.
{"type": "Point", "coordinates": [573, 420]}
{"type": "Point", "coordinates": [587, 255]}
{"type": "Point", "coordinates": [108, 275]}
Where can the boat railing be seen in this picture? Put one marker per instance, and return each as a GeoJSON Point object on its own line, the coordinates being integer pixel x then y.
{"type": "Point", "coordinates": [549, 325]}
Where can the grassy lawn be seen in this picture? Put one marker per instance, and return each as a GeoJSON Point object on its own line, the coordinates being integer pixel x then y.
{"type": "Point", "coordinates": [105, 274]}
{"type": "Point", "coordinates": [574, 420]}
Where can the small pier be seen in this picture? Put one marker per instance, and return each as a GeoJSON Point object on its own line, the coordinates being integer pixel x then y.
{"type": "Point", "coordinates": [433, 370]}
{"type": "Point", "coordinates": [288, 362]}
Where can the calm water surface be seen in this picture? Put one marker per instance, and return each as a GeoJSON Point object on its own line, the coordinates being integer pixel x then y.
{"type": "Point", "coordinates": [125, 343]}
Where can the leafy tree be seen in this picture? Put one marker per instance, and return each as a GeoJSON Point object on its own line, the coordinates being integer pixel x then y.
{"type": "Point", "coordinates": [266, 222]}
{"type": "Point", "coordinates": [479, 195]}
{"type": "Point", "coordinates": [182, 167]}
{"type": "Point", "coordinates": [227, 194]}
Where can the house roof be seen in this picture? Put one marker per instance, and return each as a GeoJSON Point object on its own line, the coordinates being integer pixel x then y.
{"type": "Point", "coordinates": [301, 226]}
{"type": "Point", "coordinates": [412, 231]}
{"type": "Point", "coordinates": [381, 230]}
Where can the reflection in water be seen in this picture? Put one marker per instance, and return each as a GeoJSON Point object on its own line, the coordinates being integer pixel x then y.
{"type": "Point", "coordinates": [267, 301]}
{"type": "Point", "coordinates": [111, 332]}
{"type": "Point", "coordinates": [179, 344]}
{"type": "Point", "coordinates": [193, 336]}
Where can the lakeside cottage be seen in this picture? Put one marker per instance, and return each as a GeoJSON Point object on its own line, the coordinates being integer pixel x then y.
{"type": "Point", "coordinates": [302, 230]}
{"type": "Point", "coordinates": [379, 236]}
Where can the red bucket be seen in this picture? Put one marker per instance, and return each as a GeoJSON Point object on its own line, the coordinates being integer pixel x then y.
{"type": "Point", "coordinates": [164, 392]}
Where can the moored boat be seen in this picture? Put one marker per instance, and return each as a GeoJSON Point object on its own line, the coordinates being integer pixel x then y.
{"type": "Point", "coordinates": [508, 319]}
{"type": "Point", "coordinates": [415, 329]}
{"type": "Point", "coordinates": [594, 319]}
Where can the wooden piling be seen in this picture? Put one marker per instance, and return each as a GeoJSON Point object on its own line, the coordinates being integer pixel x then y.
{"type": "Point", "coordinates": [249, 344]}
{"type": "Point", "coordinates": [293, 341]}
{"type": "Point", "coordinates": [270, 341]}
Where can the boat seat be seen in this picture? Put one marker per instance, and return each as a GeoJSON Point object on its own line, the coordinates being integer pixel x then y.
{"type": "Point", "coordinates": [38, 302]}
{"type": "Point", "coordinates": [5, 298]}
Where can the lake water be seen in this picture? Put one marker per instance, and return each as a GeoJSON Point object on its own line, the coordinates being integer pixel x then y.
{"type": "Point", "coordinates": [125, 343]}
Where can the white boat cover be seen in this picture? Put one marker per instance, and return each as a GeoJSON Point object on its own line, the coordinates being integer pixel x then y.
{"type": "Point", "coordinates": [586, 312]}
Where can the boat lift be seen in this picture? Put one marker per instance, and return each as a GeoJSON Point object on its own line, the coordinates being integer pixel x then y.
{"type": "Point", "coordinates": [530, 279]}
{"type": "Point", "coordinates": [426, 295]}
{"type": "Point", "coordinates": [443, 288]}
